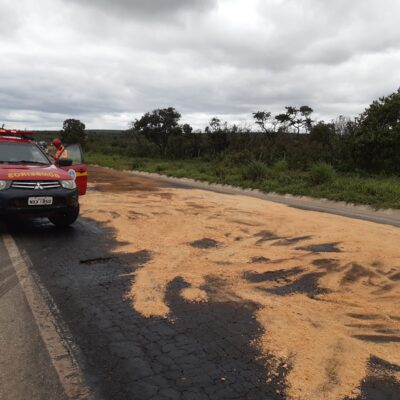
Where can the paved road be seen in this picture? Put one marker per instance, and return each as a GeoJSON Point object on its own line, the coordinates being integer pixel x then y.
{"type": "Point", "coordinates": [26, 370]}
{"type": "Point", "coordinates": [206, 353]}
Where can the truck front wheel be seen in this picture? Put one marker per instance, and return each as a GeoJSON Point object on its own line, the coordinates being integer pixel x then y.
{"type": "Point", "coordinates": [66, 218]}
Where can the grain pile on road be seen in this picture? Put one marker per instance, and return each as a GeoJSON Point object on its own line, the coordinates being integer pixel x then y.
{"type": "Point", "coordinates": [327, 287]}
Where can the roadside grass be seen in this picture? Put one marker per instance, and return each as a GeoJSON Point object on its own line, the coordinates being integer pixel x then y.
{"type": "Point", "coordinates": [112, 161]}
{"type": "Point", "coordinates": [376, 191]}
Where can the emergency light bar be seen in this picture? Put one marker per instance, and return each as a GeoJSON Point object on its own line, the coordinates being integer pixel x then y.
{"type": "Point", "coordinates": [8, 132]}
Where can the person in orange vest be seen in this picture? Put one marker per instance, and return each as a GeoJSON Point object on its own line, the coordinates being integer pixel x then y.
{"type": "Point", "coordinates": [60, 149]}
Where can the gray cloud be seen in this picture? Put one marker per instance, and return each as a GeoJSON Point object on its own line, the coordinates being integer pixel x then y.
{"type": "Point", "coordinates": [106, 62]}
{"type": "Point", "coordinates": [148, 9]}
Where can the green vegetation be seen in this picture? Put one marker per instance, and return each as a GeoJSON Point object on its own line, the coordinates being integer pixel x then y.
{"type": "Point", "coordinates": [112, 161]}
{"type": "Point", "coordinates": [350, 160]}
{"type": "Point", "coordinates": [377, 191]}
{"type": "Point", "coordinates": [73, 132]}
{"type": "Point", "coordinates": [256, 171]}
{"type": "Point", "coordinates": [321, 173]}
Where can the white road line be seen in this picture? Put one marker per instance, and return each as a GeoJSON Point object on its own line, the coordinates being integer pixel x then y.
{"type": "Point", "coordinates": [53, 331]}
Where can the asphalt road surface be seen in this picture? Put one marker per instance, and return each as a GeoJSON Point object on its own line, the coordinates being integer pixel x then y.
{"type": "Point", "coordinates": [67, 329]}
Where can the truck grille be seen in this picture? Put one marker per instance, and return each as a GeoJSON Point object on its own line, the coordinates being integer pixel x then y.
{"type": "Point", "coordinates": [38, 185]}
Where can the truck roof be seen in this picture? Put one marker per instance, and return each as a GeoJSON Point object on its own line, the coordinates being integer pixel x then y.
{"type": "Point", "coordinates": [15, 136]}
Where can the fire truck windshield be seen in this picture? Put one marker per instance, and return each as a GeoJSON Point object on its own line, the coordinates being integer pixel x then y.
{"type": "Point", "coordinates": [21, 153]}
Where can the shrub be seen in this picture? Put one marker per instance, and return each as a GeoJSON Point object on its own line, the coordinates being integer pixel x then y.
{"type": "Point", "coordinates": [136, 165]}
{"type": "Point", "coordinates": [160, 167]}
{"type": "Point", "coordinates": [255, 171]}
{"type": "Point", "coordinates": [238, 158]}
{"type": "Point", "coordinates": [281, 166]}
{"type": "Point", "coordinates": [321, 173]}
{"type": "Point", "coordinates": [220, 171]}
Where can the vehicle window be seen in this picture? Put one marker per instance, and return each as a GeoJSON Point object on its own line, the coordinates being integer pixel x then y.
{"type": "Point", "coordinates": [21, 153]}
{"type": "Point", "coordinates": [74, 153]}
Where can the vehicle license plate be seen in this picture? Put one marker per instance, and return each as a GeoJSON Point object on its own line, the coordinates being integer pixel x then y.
{"type": "Point", "coordinates": [40, 201]}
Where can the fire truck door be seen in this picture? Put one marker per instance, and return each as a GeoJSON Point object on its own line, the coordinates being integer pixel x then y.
{"type": "Point", "coordinates": [74, 152]}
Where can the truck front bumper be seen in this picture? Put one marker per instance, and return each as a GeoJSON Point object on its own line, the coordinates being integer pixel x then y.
{"type": "Point", "coordinates": [14, 202]}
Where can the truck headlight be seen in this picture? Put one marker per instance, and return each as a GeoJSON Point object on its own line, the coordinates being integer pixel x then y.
{"type": "Point", "coordinates": [69, 184]}
{"type": "Point", "coordinates": [4, 185]}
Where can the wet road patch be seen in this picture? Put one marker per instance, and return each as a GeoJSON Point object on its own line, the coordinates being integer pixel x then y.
{"type": "Point", "coordinates": [365, 317]}
{"type": "Point", "coordinates": [378, 338]}
{"type": "Point", "coordinates": [223, 263]}
{"type": "Point", "coordinates": [98, 260]}
{"type": "Point", "coordinates": [328, 264]}
{"type": "Point", "coordinates": [308, 284]}
{"type": "Point", "coordinates": [279, 275]}
{"type": "Point", "coordinates": [395, 277]}
{"type": "Point", "coordinates": [321, 248]}
{"type": "Point", "coordinates": [205, 244]}
{"type": "Point", "coordinates": [260, 260]}
{"type": "Point", "coordinates": [133, 215]}
{"type": "Point", "coordinates": [388, 331]}
{"type": "Point", "coordinates": [379, 383]}
{"type": "Point", "coordinates": [356, 272]}
{"type": "Point", "coordinates": [196, 205]}
{"type": "Point", "coordinates": [366, 326]}
{"type": "Point", "coordinates": [246, 223]}
{"type": "Point", "coordinates": [290, 241]}
{"type": "Point", "coordinates": [378, 362]}
{"type": "Point", "coordinates": [227, 363]}
{"type": "Point", "coordinates": [265, 236]}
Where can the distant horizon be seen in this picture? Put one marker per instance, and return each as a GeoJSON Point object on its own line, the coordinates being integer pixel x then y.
{"type": "Point", "coordinates": [199, 124]}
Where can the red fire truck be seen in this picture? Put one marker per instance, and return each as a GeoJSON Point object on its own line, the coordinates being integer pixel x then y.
{"type": "Point", "coordinates": [32, 184]}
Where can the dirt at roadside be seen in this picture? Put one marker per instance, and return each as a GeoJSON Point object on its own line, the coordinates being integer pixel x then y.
{"type": "Point", "coordinates": [109, 180]}
{"type": "Point", "coordinates": [327, 288]}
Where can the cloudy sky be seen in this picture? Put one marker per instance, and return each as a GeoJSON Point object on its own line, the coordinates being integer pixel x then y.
{"type": "Point", "coordinates": [107, 62]}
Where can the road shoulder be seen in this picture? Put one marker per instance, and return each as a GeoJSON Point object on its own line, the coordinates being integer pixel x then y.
{"type": "Point", "coordinates": [46, 324]}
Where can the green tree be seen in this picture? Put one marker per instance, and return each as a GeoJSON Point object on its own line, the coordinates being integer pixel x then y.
{"type": "Point", "coordinates": [267, 126]}
{"type": "Point", "coordinates": [187, 129]}
{"type": "Point", "coordinates": [159, 126]}
{"type": "Point", "coordinates": [217, 134]}
{"type": "Point", "coordinates": [265, 122]}
{"type": "Point", "coordinates": [296, 118]}
{"type": "Point", "coordinates": [73, 131]}
{"type": "Point", "coordinates": [376, 145]}
{"type": "Point", "coordinates": [382, 114]}
{"type": "Point", "coordinates": [322, 133]}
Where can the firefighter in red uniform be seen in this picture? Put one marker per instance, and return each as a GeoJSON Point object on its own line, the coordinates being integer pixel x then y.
{"type": "Point", "coordinates": [60, 149]}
